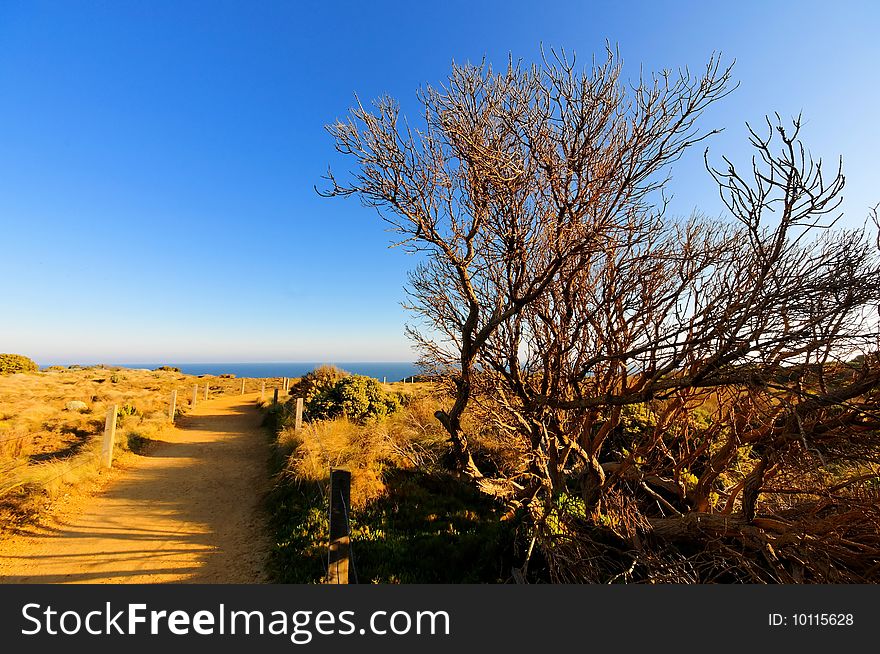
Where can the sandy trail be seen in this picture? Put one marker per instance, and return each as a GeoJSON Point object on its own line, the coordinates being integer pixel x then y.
{"type": "Point", "coordinates": [187, 511]}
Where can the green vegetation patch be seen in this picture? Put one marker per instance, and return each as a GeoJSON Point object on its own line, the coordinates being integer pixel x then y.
{"type": "Point", "coordinates": [428, 527]}
{"type": "Point", "coordinates": [12, 363]}
{"type": "Point", "coordinates": [331, 393]}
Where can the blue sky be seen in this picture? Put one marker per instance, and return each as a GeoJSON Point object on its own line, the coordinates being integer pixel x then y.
{"type": "Point", "coordinates": [157, 160]}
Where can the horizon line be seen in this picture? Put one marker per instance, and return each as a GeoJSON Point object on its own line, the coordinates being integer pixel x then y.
{"type": "Point", "coordinates": [160, 361]}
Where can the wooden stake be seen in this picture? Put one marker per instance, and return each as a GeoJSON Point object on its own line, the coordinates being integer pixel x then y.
{"type": "Point", "coordinates": [263, 391]}
{"type": "Point", "coordinates": [275, 397]}
{"type": "Point", "coordinates": [242, 386]}
{"type": "Point", "coordinates": [109, 438]}
{"type": "Point", "coordinates": [340, 543]}
{"type": "Point", "coordinates": [195, 395]}
{"type": "Point", "coordinates": [172, 410]}
{"type": "Point", "coordinates": [299, 414]}
{"type": "Point", "coordinates": [206, 392]}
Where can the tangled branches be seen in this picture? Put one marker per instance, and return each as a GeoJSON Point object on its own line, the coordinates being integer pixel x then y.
{"type": "Point", "coordinates": [688, 400]}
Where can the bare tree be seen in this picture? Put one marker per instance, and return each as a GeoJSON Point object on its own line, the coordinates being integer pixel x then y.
{"type": "Point", "coordinates": [651, 380]}
{"type": "Point", "coordinates": [545, 159]}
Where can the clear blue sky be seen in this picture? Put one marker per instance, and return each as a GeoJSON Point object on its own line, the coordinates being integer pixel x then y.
{"type": "Point", "coordinates": [157, 159]}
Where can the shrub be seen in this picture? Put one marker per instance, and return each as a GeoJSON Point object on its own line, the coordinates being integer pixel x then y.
{"type": "Point", "coordinates": [168, 369]}
{"type": "Point", "coordinates": [12, 363]}
{"type": "Point", "coordinates": [225, 375]}
{"type": "Point", "coordinates": [354, 396]}
{"type": "Point", "coordinates": [125, 411]}
{"type": "Point", "coordinates": [320, 380]}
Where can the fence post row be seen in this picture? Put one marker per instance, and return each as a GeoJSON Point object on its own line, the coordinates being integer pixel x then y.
{"type": "Point", "coordinates": [299, 414]}
{"type": "Point", "coordinates": [109, 438]}
{"type": "Point", "coordinates": [340, 541]}
{"type": "Point", "coordinates": [172, 409]}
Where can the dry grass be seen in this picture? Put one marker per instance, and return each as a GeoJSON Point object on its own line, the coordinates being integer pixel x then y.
{"type": "Point", "coordinates": [45, 447]}
{"type": "Point", "coordinates": [409, 438]}
{"type": "Point", "coordinates": [411, 521]}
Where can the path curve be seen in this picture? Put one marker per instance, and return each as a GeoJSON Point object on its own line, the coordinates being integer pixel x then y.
{"type": "Point", "coordinates": [189, 510]}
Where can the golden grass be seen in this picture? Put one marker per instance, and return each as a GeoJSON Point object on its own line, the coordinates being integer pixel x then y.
{"type": "Point", "coordinates": [409, 438]}
{"type": "Point", "coordinates": [416, 388]}
{"type": "Point", "coordinates": [45, 447]}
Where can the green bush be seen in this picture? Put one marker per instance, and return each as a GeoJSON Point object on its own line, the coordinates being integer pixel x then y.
{"type": "Point", "coordinates": [355, 396]}
{"type": "Point", "coordinates": [320, 380]}
{"type": "Point", "coordinates": [12, 363]}
{"type": "Point", "coordinates": [126, 410]}
{"type": "Point", "coordinates": [168, 369]}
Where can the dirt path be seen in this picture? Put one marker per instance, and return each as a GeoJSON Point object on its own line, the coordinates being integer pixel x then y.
{"type": "Point", "coordinates": [187, 511]}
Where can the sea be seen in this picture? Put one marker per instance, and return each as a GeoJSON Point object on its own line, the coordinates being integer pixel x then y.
{"type": "Point", "coordinates": [392, 370]}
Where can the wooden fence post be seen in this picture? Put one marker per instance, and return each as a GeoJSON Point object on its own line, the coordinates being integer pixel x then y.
{"type": "Point", "coordinates": [275, 398]}
{"type": "Point", "coordinates": [109, 438]}
{"type": "Point", "coordinates": [263, 391]}
{"type": "Point", "coordinates": [172, 409]}
{"type": "Point", "coordinates": [340, 543]}
{"type": "Point", "coordinates": [299, 414]}
{"type": "Point", "coordinates": [206, 392]}
{"type": "Point", "coordinates": [242, 387]}
{"type": "Point", "coordinates": [195, 395]}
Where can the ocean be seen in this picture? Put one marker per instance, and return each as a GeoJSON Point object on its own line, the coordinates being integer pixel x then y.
{"type": "Point", "coordinates": [393, 370]}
